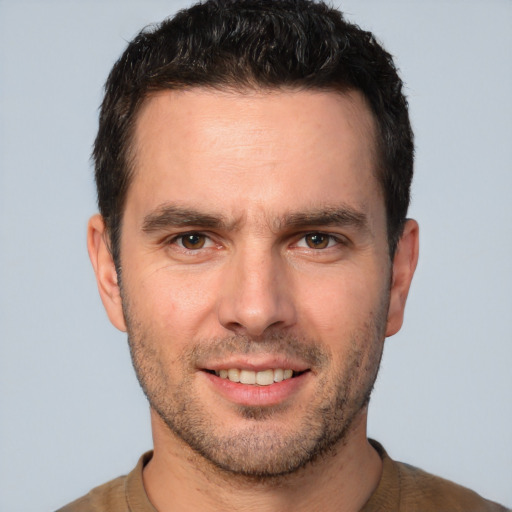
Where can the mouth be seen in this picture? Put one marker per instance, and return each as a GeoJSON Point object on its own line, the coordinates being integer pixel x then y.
{"type": "Point", "coordinates": [258, 383]}
{"type": "Point", "coordinates": [256, 378]}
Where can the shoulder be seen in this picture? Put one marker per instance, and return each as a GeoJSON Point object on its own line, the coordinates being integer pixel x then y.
{"type": "Point", "coordinates": [423, 491]}
{"type": "Point", "coordinates": [405, 488]}
{"type": "Point", "coordinates": [107, 497]}
{"type": "Point", "coordinates": [124, 494]}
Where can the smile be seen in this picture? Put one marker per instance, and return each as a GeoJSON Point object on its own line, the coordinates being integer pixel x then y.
{"type": "Point", "coordinates": [261, 378]}
{"type": "Point", "coordinates": [260, 386]}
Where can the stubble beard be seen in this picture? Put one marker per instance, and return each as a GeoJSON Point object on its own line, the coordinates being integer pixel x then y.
{"type": "Point", "coordinates": [263, 449]}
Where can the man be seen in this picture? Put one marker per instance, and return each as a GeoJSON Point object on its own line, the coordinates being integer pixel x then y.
{"type": "Point", "coordinates": [253, 165]}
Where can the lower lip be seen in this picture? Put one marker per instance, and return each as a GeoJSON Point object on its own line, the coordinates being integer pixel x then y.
{"type": "Point", "coordinates": [253, 395]}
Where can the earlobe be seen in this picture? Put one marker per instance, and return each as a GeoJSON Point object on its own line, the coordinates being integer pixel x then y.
{"type": "Point", "coordinates": [404, 265]}
{"type": "Point", "coordinates": [104, 268]}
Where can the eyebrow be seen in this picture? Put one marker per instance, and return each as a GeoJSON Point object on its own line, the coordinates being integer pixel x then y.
{"type": "Point", "coordinates": [170, 216]}
{"type": "Point", "coordinates": [167, 216]}
{"type": "Point", "coordinates": [343, 216]}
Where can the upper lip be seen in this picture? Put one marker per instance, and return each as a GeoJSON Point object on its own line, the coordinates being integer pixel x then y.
{"type": "Point", "coordinates": [256, 363]}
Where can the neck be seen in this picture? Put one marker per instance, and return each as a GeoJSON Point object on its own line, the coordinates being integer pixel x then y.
{"type": "Point", "coordinates": [178, 479]}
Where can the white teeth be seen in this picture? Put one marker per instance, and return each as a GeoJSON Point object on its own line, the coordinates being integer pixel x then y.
{"type": "Point", "coordinates": [278, 375]}
{"type": "Point", "coordinates": [263, 378]}
{"type": "Point", "coordinates": [247, 377]}
{"type": "Point", "coordinates": [234, 375]}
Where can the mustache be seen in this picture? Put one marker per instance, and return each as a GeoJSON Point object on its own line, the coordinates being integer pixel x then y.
{"type": "Point", "coordinates": [286, 345]}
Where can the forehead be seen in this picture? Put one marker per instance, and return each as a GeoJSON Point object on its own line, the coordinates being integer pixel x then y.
{"type": "Point", "coordinates": [248, 149]}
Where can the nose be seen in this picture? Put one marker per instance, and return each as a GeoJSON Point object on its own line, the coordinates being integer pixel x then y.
{"type": "Point", "coordinates": [256, 294]}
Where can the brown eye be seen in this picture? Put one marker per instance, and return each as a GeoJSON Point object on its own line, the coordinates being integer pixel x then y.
{"type": "Point", "coordinates": [193, 241]}
{"type": "Point", "coordinates": [317, 240]}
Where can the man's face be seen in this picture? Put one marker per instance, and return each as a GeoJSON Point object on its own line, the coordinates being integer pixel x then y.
{"type": "Point", "coordinates": [254, 248]}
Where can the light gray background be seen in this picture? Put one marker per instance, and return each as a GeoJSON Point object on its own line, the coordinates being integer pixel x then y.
{"type": "Point", "coordinates": [72, 415]}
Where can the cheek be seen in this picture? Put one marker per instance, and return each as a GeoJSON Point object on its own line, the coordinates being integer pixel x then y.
{"type": "Point", "coordinates": [172, 301]}
{"type": "Point", "coordinates": [343, 302]}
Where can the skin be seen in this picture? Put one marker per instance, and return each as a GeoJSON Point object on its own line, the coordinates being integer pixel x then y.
{"type": "Point", "coordinates": [288, 266]}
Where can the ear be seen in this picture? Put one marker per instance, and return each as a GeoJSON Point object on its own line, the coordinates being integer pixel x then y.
{"type": "Point", "coordinates": [404, 265]}
{"type": "Point", "coordinates": [105, 270]}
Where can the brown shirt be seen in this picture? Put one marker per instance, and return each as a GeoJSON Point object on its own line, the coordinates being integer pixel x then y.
{"type": "Point", "coordinates": [402, 488]}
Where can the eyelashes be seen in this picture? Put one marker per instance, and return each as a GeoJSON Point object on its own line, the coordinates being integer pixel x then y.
{"type": "Point", "coordinates": [192, 241]}
{"type": "Point", "coordinates": [316, 240]}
